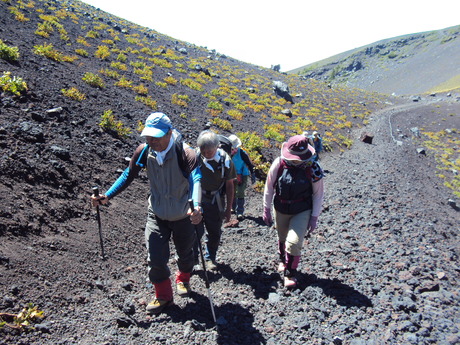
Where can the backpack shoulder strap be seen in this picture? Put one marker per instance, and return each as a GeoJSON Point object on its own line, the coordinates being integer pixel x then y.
{"type": "Point", "coordinates": [178, 142]}
{"type": "Point", "coordinates": [281, 167]}
{"type": "Point", "coordinates": [142, 160]}
{"type": "Point", "coordinates": [246, 159]}
{"type": "Point", "coordinates": [222, 166]}
{"type": "Point", "coordinates": [308, 172]}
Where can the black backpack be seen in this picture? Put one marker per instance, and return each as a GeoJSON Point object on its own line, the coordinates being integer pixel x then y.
{"type": "Point", "coordinates": [225, 144]}
{"type": "Point", "coordinates": [180, 156]}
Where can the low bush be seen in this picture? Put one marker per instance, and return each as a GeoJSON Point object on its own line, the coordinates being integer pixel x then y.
{"type": "Point", "coordinates": [110, 124]}
{"type": "Point", "coordinates": [102, 52]}
{"type": "Point", "coordinates": [224, 124]}
{"type": "Point", "coordinates": [81, 52]}
{"type": "Point", "coordinates": [148, 101]}
{"type": "Point", "coordinates": [8, 53]}
{"type": "Point", "coordinates": [181, 100]}
{"type": "Point", "coordinates": [14, 85]}
{"type": "Point", "coordinates": [93, 80]}
{"type": "Point", "coordinates": [74, 94]}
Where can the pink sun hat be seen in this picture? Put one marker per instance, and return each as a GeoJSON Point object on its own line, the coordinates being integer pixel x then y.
{"type": "Point", "coordinates": [297, 148]}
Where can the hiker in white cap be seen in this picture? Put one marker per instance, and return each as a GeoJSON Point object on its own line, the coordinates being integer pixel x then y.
{"type": "Point", "coordinates": [318, 144]}
{"type": "Point", "coordinates": [244, 168]}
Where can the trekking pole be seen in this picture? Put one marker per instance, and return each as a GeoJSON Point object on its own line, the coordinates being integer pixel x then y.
{"type": "Point", "coordinates": [206, 279]}
{"type": "Point", "coordinates": [98, 216]}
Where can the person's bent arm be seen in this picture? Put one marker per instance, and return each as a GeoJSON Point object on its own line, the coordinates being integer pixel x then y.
{"type": "Point", "coordinates": [318, 197]}
{"type": "Point", "coordinates": [269, 191]}
{"type": "Point", "coordinates": [123, 181]}
{"type": "Point", "coordinates": [270, 182]}
{"type": "Point", "coordinates": [195, 186]}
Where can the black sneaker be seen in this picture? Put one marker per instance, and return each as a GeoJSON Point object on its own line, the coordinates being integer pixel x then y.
{"type": "Point", "coordinates": [240, 217]}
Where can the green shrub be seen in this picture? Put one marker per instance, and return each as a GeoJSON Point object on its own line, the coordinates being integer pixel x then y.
{"type": "Point", "coordinates": [224, 124]}
{"type": "Point", "coordinates": [14, 85]}
{"type": "Point", "coordinates": [8, 53]}
{"type": "Point", "coordinates": [215, 105]}
{"type": "Point", "coordinates": [18, 15]}
{"type": "Point", "coordinates": [93, 80]}
{"type": "Point", "coordinates": [82, 41]}
{"type": "Point", "coordinates": [22, 320]}
{"type": "Point", "coordinates": [192, 84]}
{"type": "Point", "coordinates": [162, 63]}
{"type": "Point", "coordinates": [110, 73]}
{"type": "Point", "coordinates": [148, 101]}
{"type": "Point", "coordinates": [74, 94]}
{"type": "Point", "coordinates": [92, 34]}
{"type": "Point", "coordinates": [170, 80]}
{"type": "Point", "coordinates": [392, 55]}
{"type": "Point", "coordinates": [236, 114]}
{"type": "Point", "coordinates": [109, 124]}
{"type": "Point", "coordinates": [161, 84]}
{"type": "Point", "coordinates": [119, 65]}
{"type": "Point", "coordinates": [181, 100]}
{"type": "Point", "coordinates": [81, 52]}
{"type": "Point", "coordinates": [122, 57]}
{"type": "Point", "coordinates": [146, 73]}
{"type": "Point", "coordinates": [123, 82]}
{"type": "Point", "coordinates": [102, 52]}
{"type": "Point", "coordinates": [48, 51]}
{"type": "Point", "coordinates": [141, 89]}
{"type": "Point", "coordinates": [274, 132]}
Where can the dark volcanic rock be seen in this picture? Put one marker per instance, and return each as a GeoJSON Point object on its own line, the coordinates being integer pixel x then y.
{"type": "Point", "coordinates": [382, 267]}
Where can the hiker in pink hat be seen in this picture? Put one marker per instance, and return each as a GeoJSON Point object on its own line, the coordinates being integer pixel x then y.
{"type": "Point", "coordinates": [295, 186]}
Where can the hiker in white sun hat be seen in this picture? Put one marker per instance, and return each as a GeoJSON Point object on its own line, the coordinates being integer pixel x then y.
{"type": "Point", "coordinates": [317, 143]}
{"type": "Point", "coordinates": [244, 168]}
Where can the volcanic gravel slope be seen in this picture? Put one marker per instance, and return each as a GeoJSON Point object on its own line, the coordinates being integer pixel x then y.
{"type": "Point", "coordinates": [382, 267]}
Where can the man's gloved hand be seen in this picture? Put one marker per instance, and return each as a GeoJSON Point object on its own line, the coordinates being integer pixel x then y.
{"type": "Point", "coordinates": [99, 200]}
{"type": "Point", "coordinates": [239, 179]}
{"type": "Point", "coordinates": [253, 178]}
{"type": "Point", "coordinates": [267, 217]}
{"type": "Point", "coordinates": [312, 224]}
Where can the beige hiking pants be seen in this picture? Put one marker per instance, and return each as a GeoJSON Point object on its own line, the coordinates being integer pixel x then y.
{"type": "Point", "coordinates": [291, 229]}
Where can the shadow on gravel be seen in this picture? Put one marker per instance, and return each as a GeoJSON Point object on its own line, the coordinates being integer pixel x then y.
{"type": "Point", "coordinates": [235, 323]}
{"type": "Point", "coordinates": [257, 220]}
{"type": "Point", "coordinates": [261, 282]}
{"type": "Point", "coordinates": [344, 294]}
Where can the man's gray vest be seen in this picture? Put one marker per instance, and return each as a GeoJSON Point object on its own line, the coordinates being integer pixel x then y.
{"type": "Point", "coordinates": [169, 189]}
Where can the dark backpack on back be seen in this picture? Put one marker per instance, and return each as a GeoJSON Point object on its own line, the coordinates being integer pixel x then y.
{"type": "Point", "coordinates": [225, 144]}
{"type": "Point", "coordinates": [178, 143]}
{"type": "Point", "coordinates": [295, 201]}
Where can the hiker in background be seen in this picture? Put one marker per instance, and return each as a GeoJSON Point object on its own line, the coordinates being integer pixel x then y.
{"type": "Point", "coordinates": [218, 173]}
{"type": "Point", "coordinates": [318, 144]}
{"type": "Point", "coordinates": [295, 186]}
{"type": "Point", "coordinates": [244, 168]}
{"type": "Point", "coordinates": [166, 159]}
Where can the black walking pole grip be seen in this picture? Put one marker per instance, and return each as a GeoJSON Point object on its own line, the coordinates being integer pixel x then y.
{"type": "Point", "coordinates": [96, 191]}
{"type": "Point", "coordinates": [98, 215]}
{"type": "Point", "coordinates": [206, 279]}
